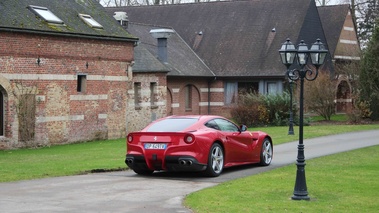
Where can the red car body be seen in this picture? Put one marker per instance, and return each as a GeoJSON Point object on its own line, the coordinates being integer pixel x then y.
{"type": "Point", "coordinates": [196, 143]}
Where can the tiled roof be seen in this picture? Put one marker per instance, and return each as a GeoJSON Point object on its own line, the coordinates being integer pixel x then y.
{"type": "Point", "coordinates": [236, 38]}
{"type": "Point", "coordinates": [15, 16]}
{"type": "Point", "coordinates": [182, 60]}
{"type": "Point", "coordinates": [333, 19]}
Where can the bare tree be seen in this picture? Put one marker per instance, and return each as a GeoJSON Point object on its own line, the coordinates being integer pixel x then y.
{"type": "Point", "coordinates": [321, 95]}
{"type": "Point", "coordinates": [365, 13]}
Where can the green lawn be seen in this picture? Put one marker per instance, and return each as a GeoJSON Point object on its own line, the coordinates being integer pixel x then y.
{"type": "Point", "coordinates": [62, 160]}
{"type": "Point", "coordinates": [24, 164]}
{"type": "Point", "coordinates": [345, 182]}
{"type": "Point", "coordinates": [335, 117]}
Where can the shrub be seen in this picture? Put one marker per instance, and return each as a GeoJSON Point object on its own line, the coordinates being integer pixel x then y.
{"type": "Point", "coordinates": [256, 110]}
{"type": "Point", "coordinates": [250, 110]}
{"type": "Point", "coordinates": [361, 110]}
{"type": "Point", "coordinates": [278, 106]}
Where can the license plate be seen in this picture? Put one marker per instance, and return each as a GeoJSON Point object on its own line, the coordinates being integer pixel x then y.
{"type": "Point", "coordinates": [155, 146]}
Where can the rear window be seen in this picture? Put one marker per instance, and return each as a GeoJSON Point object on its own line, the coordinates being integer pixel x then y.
{"type": "Point", "coordinates": [172, 125]}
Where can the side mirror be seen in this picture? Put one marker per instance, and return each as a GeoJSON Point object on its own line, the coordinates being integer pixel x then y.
{"type": "Point", "coordinates": [243, 128]}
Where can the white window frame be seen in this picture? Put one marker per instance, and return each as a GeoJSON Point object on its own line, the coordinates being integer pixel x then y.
{"type": "Point", "coordinates": [46, 14]}
{"type": "Point", "coordinates": [90, 21]}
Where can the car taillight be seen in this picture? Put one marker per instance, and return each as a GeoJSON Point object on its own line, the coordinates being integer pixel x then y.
{"type": "Point", "coordinates": [189, 138]}
{"type": "Point", "coordinates": [130, 138]}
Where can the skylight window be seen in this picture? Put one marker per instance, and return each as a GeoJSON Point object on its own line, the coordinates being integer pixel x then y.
{"type": "Point", "coordinates": [46, 14]}
{"type": "Point", "coordinates": [90, 21]}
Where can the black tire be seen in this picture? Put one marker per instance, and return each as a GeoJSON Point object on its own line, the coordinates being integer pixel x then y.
{"type": "Point", "coordinates": [143, 171]}
{"type": "Point", "coordinates": [266, 152]}
{"type": "Point", "coordinates": [215, 161]}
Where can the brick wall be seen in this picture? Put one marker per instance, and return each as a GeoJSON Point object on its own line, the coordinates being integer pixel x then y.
{"type": "Point", "coordinates": [207, 96]}
{"type": "Point", "coordinates": [63, 114]}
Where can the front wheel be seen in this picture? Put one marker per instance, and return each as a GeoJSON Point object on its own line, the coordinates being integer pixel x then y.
{"type": "Point", "coordinates": [215, 161]}
{"type": "Point", "coordinates": [266, 152]}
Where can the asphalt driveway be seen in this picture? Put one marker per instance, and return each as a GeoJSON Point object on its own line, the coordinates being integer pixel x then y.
{"type": "Point", "coordinates": [162, 192]}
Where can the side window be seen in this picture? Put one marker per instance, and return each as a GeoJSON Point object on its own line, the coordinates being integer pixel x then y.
{"type": "Point", "coordinates": [212, 124]}
{"type": "Point", "coordinates": [226, 125]}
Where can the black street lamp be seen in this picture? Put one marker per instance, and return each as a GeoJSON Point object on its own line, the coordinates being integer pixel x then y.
{"type": "Point", "coordinates": [288, 53]}
{"type": "Point", "coordinates": [290, 129]}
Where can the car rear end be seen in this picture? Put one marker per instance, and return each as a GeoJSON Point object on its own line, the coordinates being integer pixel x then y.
{"type": "Point", "coordinates": [172, 151]}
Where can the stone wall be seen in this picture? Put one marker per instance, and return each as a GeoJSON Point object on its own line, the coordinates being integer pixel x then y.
{"type": "Point", "coordinates": [151, 100]}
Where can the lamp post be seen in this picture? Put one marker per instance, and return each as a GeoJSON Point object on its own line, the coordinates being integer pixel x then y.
{"type": "Point", "coordinates": [290, 129]}
{"type": "Point", "coordinates": [288, 53]}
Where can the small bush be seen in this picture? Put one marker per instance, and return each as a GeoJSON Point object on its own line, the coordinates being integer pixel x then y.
{"type": "Point", "coordinates": [361, 110]}
{"type": "Point", "coordinates": [278, 106]}
{"type": "Point", "coordinates": [258, 110]}
{"type": "Point", "coordinates": [250, 110]}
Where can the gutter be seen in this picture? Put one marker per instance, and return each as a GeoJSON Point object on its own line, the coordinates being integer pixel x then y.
{"type": "Point", "coordinates": [72, 35]}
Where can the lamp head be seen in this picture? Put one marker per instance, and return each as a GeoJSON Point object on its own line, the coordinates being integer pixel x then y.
{"type": "Point", "coordinates": [287, 53]}
{"type": "Point", "coordinates": [302, 53]}
{"type": "Point", "coordinates": [318, 53]}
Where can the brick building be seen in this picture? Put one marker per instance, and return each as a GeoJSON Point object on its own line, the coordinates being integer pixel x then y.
{"type": "Point", "coordinates": [240, 49]}
{"type": "Point", "coordinates": [341, 34]}
{"type": "Point", "coordinates": [64, 73]}
{"type": "Point", "coordinates": [219, 49]}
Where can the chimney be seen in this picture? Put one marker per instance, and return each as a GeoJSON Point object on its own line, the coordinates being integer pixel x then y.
{"type": "Point", "coordinates": [162, 35]}
{"type": "Point", "coordinates": [122, 18]}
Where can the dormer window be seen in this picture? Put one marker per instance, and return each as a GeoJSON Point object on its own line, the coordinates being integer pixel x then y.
{"type": "Point", "coordinates": [45, 14]}
{"type": "Point", "coordinates": [90, 21]}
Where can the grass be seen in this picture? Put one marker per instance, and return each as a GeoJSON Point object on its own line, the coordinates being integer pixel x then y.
{"type": "Point", "coordinates": [345, 182]}
{"type": "Point", "coordinates": [335, 117]}
{"type": "Point", "coordinates": [63, 160]}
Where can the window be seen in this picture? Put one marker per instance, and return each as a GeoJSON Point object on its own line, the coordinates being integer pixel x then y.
{"type": "Point", "coordinates": [272, 88]}
{"type": "Point", "coordinates": [172, 125]}
{"type": "Point", "coordinates": [231, 92]}
{"type": "Point", "coordinates": [81, 84]}
{"type": "Point", "coordinates": [212, 124]}
{"type": "Point", "coordinates": [137, 95]}
{"type": "Point", "coordinates": [46, 14]}
{"type": "Point", "coordinates": [226, 126]}
{"type": "Point", "coordinates": [248, 87]}
{"type": "Point", "coordinates": [153, 93]}
{"type": "Point", "coordinates": [90, 21]}
{"type": "Point", "coordinates": [188, 97]}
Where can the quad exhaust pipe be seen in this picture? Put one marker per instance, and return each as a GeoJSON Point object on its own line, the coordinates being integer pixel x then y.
{"type": "Point", "coordinates": [129, 161]}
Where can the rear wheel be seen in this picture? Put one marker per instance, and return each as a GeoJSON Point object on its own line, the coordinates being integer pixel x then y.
{"type": "Point", "coordinates": [143, 171]}
{"type": "Point", "coordinates": [215, 161]}
{"type": "Point", "coordinates": [266, 152]}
